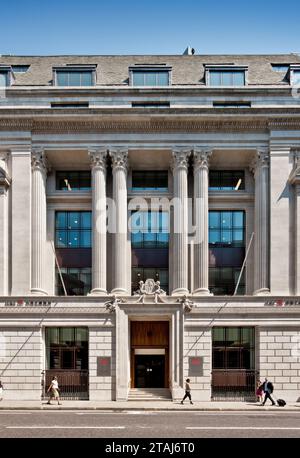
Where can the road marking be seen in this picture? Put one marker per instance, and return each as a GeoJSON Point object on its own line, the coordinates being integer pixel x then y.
{"type": "Point", "coordinates": [14, 413]}
{"type": "Point", "coordinates": [65, 427]}
{"type": "Point", "coordinates": [261, 428]}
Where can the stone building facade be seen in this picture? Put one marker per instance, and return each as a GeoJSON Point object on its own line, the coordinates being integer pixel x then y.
{"type": "Point", "coordinates": [149, 225]}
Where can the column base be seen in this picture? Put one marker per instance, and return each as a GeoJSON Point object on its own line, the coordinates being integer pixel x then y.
{"type": "Point", "coordinates": [262, 292]}
{"type": "Point", "coordinates": [98, 292]}
{"type": "Point", "coordinates": [180, 292]}
{"type": "Point", "coordinates": [202, 292]}
{"type": "Point", "coordinates": [119, 292]}
{"type": "Point", "coordinates": [38, 292]}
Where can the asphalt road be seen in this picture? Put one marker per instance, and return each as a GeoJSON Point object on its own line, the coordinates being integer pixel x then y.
{"type": "Point", "coordinates": [138, 424]}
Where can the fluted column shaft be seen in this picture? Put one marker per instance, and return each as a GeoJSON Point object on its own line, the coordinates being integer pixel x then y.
{"type": "Point", "coordinates": [38, 222]}
{"type": "Point", "coordinates": [119, 167]}
{"type": "Point", "coordinates": [180, 236]}
{"type": "Point", "coordinates": [201, 252]}
{"type": "Point", "coordinates": [98, 165]}
{"type": "Point", "coordinates": [297, 238]}
{"type": "Point", "coordinates": [4, 245]}
{"type": "Point", "coordinates": [260, 168]}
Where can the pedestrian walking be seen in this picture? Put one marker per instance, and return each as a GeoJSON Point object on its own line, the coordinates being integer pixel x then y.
{"type": "Point", "coordinates": [1, 391]}
{"type": "Point", "coordinates": [259, 391]}
{"type": "Point", "coordinates": [187, 391]}
{"type": "Point", "coordinates": [54, 391]}
{"type": "Point", "coordinates": [268, 390]}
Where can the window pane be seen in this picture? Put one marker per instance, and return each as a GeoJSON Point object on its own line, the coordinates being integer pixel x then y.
{"type": "Point", "coordinates": [74, 79]}
{"type": "Point", "coordinates": [238, 219]}
{"type": "Point", "coordinates": [73, 220]}
{"type": "Point", "coordinates": [86, 79]}
{"type": "Point", "coordinates": [85, 181]}
{"type": "Point", "coordinates": [215, 78]}
{"type": "Point", "coordinates": [61, 239]}
{"type": "Point", "coordinates": [61, 220]}
{"type": "Point", "coordinates": [67, 336]}
{"type": "Point", "coordinates": [73, 240]}
{"type": "Point", "coordinates": [219, 335]}
{"type": "Point", "coordinates": [62, 78]}
{"type": "Point", "coordinates": [138, 79]}
{"type": "Point", "coordinates": [86, 239]}
{"type": "Point", "coordinates": [233, 336]}
{"type": "Point", "coordinates": [296, 77]}
{"type": "Point", "coordinates": [52, 336]}
{"type": "Point", "coordinates": [214, 181]}
{"type": "Point", "coordinates": [214, 236]}
{"type": "Point", "coordinates": [226, 237]}
{"type": "Point", "coordinates": [238, 78]}
{"type": "Point", "coordinates": [226, 79]}
{"type": "Point", "coordinates": [226, 220]}
{"type": "Point", "coordinates": [238, 237]}
{"type": "Point", "coordinates": [214, 219]}
{"type": "Point", "coordinates": [86, 220]}
{"type": "Point", "coordinates": [163, 79]}
{"type": "Point", "coordinates": [150, 79]}
{"type": "Point", "coordinates": [162, 240]}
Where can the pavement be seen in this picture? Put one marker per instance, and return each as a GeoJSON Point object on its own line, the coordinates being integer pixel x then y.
{"type": "Point", "coordinates": [124, 406]}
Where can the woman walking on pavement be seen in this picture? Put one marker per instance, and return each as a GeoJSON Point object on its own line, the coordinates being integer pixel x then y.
{"type": "Point", "coordinates": [54, 391]}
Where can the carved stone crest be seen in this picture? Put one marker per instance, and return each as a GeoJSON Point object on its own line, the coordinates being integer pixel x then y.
{"type": "Point", "coordinates": [186, 303]}
{"type": "Point", "coordinates": [149, 288]}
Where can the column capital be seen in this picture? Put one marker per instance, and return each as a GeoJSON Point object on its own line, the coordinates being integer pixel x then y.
{"type": "Point", "coordinates": [180, 157]}
{"type": "Point", "coordinates": [261, 160]}
{"type": "Point", "coordinates": [39, 161]}
{"type": "Point", "coordinates": [98, 158]}
{"type": "Point", "coordinates": [4, 180]}
{"type": "Point", "coordinates": [119, 158]}
{"type": "Point", "coordinates": [201, 157]}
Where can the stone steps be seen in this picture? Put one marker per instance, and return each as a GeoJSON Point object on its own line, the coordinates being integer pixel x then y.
{"type": "Point", "coordinates": [149, 394]}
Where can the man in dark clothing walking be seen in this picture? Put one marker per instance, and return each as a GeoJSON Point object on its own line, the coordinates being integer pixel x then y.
{"type": "Point", "coordinates": [268, 389]}
{"type": "Point", "coordinates": [187, 391]}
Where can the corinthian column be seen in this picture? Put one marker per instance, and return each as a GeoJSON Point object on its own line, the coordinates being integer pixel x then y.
{"type": "Point", "coordinates": [119, 167]}
{"type": "Point", "coordinates": [201, 158]}
{"type": "Point", "coordinates": [260, 168]}
{"type": "Point", "coordinates": [38, 222]}
{"type": "Point", "coordinates": [4, 186]}
{"type": "Point", "coordinates": [180, 236]}
{"type": "Point", "coordinates": [98, 165]}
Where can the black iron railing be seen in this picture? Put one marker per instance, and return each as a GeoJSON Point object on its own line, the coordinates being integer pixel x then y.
{"type": "Point", "coordinates": [234, 385]}
{"type": "Point", "coordinates": [73, 384]}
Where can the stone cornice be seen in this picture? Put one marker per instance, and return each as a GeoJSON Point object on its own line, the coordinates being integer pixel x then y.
{"type": "Point", "coordinates": [155, 123]}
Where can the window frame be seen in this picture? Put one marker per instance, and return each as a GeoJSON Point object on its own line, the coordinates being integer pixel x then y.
{"type": "Point", "coordinates": [74, 69]}
{"type": "Point", "coordinates": [225, 68]}
{"type": "Point", "coordinates": [219, 172]}
{"type": "Point", "coordinates": [67, 172]}
{"type": "Point", "coordinates": [150, 68]}
{"type": "Point", "coordinates": [7, 70]}
{"type": "Point", "coordinates": [67, 230]}
{"type": "Point", "coordinates": [293, 69]}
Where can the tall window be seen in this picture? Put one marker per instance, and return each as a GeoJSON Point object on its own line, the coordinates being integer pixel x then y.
{"type": "Point", "coordinates": [150, 78]}
{"type": "Point", "coordinates": [67, 348]}
{"type": "Point", "coordinates": [74, 77]}
{"type": "Point", "coordinates": [73, 238]}
{"type": "Point", "coordinates": [227, 251]}
{"type": "Point", "coordinates": [226, 180]}
{"type": "Point", "coordinates": [73, 181]}
{"type": "Point", "coordinates": [150, 247]}
{"type": "Point", "coordinates": [150, 229]}
{"type": "Point", "coordinates": [226, 78]}
{"type": "Point", "coordinates": [147, 180]}
{"type": "Point", "coordinates": [233, 348]}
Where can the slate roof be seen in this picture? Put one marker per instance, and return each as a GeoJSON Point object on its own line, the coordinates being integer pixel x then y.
{"type": "Point", "coordinates": [186, 70]}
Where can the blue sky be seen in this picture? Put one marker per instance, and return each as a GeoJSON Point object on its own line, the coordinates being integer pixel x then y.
{"type": "Point", "coordinates": [37, 27]}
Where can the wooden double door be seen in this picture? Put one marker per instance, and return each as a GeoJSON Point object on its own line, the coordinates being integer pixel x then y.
{"type": "Point", "coordinates": [149, 354]}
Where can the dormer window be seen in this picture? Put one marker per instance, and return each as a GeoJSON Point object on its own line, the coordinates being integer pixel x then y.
{"type": "Point", "coordinates": [295, 75]}
{"type": "Point", "coordinates": [5, 76]}
{"type": "Point", "coordinates": [74, 76]}
{"type": "Point", "coordinates": [217, 75]}
{"type": "Point", "coordinates": [150, 76]}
